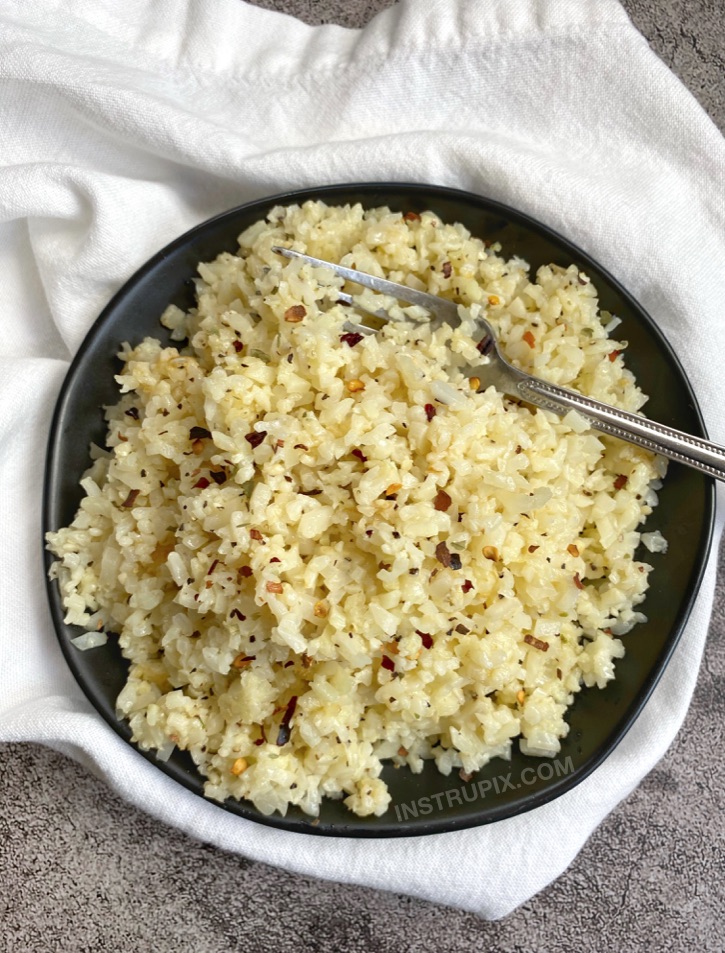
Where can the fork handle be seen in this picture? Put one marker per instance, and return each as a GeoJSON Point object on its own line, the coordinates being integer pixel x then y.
{"type": "Point", "coordinates": [692, 451]}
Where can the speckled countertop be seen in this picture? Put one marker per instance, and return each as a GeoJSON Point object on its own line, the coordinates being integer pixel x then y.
{"type": "Point", "coordinates": [84, 871]}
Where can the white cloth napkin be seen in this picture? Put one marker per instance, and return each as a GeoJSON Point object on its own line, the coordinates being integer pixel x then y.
{"type": "Point", "coordinates": [124, 125]}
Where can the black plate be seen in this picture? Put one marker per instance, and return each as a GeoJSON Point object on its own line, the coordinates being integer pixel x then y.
{"type": "Point", "coordinates": [427, 802]}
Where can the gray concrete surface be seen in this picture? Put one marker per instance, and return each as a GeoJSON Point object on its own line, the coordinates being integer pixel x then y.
{"type": "Point", "coordinates": [81, 871]}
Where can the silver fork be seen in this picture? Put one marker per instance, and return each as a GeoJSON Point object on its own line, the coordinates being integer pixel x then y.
{"type": "Point", "coordinates": [497, 372]}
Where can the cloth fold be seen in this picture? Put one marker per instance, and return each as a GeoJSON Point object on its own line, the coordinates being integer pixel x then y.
{"type": "Point", "coordinates": [121, 131]}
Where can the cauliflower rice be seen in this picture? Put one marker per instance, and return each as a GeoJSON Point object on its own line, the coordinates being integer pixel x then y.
{"type": "Point", "coordinates": [321, 551]}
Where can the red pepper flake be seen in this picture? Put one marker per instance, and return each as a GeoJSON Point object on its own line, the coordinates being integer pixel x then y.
{"type": "Point", "coordinates": [529, 338]}
{"type": "Point", "coordinates": [351, 338]}
{"type": "Point", "coordinates": [430, 411]}
{"type": "Point", "coordinates": [411, 217]}
{"type": "Point", "coordinates": [131, 498]}
{"type": "Point", "coordinates": [447, 269]}
{"type": "Point", "coordinates": [283, 735]}
{"type": "Point", "coordinates": [295, 314]}
{"type": "Point", "coordinates": [447, 558]}
{"type": "Point", "coordinates": [620, 482]}
{"type": "Point", "coordinates": [442, 501]}
{"type": "Point", "coordinates": [259, 741]}
{"type": "Point", "coordinates": [577, 581]}
{"type": "Point", "coordinates": [467, 585]}
{"type": "Point", "coordinates": [387, 663]}
{"type": "Point", "coordinates": [537, 643]}
{"type": "Point", "coordinates": [274, 559]}
{"type": "Point", "coordinates": [236, 614]}
{"type": "Point", "coordinates": [245, 572]}
{"type": "Point", "coordinates": [255, 437]}
{"type": "Point", "coordinates": [211, 568]}
{"type": "Point", "coordinates": [201, 484]}
{"type": "Point", "coordinates": [238, 346]}
{"type": "Point", "coordinates": [199, 433]}
{"type": "Point", "coordinates": [360, 455]}
{"type": "Point", "coordinates": [613, 355]}
{"type": "Point", "coordinates": [255, 534]}
{"type": "Point", "coordinates": [132, 412]}
{"type": "Point", "coordinates": [425, 638]}
{"type": "Point", "coordinates": [275, 587]}
{"type": "Point", "coordinates": [485, 345]}
{"type": "Point", "coordinates": [218, 476]}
